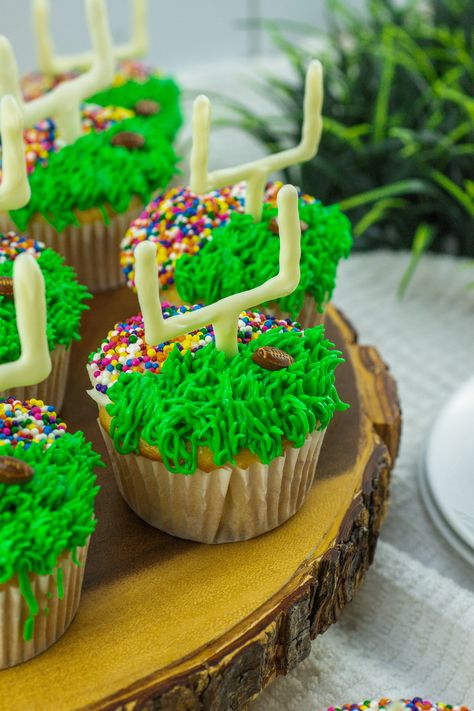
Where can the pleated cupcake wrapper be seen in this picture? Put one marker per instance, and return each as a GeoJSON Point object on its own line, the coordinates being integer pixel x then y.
{"type": "Point", "coordinates": [308, 317]}
{"type": "Point", "coordinates": [227, 504]}
{"type": "Point", "coordinates": [51, 390]}
{"type": "Point", "coordinates": [93, 248]}
{"type": "Point", "coordinates": [48, 627]}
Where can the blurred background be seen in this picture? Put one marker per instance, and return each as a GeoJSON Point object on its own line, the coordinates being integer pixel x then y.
{"type": "Point", "coordinates": [398, 140]}
{"type": "Point", "coordinates": [174, 27]}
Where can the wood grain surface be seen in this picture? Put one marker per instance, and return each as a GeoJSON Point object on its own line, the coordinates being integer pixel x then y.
{"type": "Point", "coordinates": [170, 624]}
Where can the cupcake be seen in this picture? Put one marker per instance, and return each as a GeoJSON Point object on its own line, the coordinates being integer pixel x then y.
{"type": "Point", "coordinates": [65, 302]}
{"type": "Point", "coordinates": [418, 703]}
{"type": "Point", "coordinates": [78, 205]}
{"type": "Point", "coordinates": [47, 492]}
{"type": "Point", "coordinates": [230, 232]}
{"type": "Point", "coordinates": [214, 431]}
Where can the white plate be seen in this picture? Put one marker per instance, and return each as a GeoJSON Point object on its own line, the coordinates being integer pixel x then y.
{"type": "Point", "coordinates": [439, 521]}
{"type": "Point", "coordinates": [449, 465]}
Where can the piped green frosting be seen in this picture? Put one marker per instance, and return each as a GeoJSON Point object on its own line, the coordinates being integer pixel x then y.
{"type": "Point", "coordinates": [162, 90]}
{"type": "Point", "coordinates": [243, 254]}
{"type": "Point", "coordinates": [48, 515]}
{"type": "Point", "coordinates": [64, 305]}
{"type": "Point", "coordinates": [207, 401]}
{"type": "Point", "coordinates": [92, 173]}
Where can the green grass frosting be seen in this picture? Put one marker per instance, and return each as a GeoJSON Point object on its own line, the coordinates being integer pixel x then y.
{"type": "Point", "coordinates": [92, 173]}
{"type": "Point", "coordinates": [164, 91]}
{"type": "Point", "coordinates": [243, 254]}
{"type": "Point", "coordinates": [64, 305]}
{"type": "Point", "coordinates": [207, 401]}
{"type": "Point", "coordinates": [48, 515]}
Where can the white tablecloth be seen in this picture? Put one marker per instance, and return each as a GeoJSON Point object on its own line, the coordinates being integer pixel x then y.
{"type": "Point", "coordinates": [410, 630]}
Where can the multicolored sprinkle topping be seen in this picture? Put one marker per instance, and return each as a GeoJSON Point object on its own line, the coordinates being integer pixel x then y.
{"type": "Point", "coordinates": [415, 704]}
{"type": "Point", "coordinates": [12, 244]}
{"type": "Point", "coordinates": [22, 423]}
{"type": "Point", "coordinates": [42, 140]}
{"type": "Point", "coordinates": [133, 70]}
{"type": "Point", "coordinates": [125, 350]}
{"type": "Point", "coordinates": [180, 222]}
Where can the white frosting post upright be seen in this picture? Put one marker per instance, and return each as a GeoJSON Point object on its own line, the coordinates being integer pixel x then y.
{"type": "Point", "coordinates": [34, 364]}
{"type": "Point", "coordinates": [15, 189]}
{"type": "Point", "coordinates": [53, 64]}
{"type": "Point", "coordinates": [223, 314]}
{"type": "Point", "coordinates": [63, 103]}
{"type": "Point", "coordinates": [256, 173]}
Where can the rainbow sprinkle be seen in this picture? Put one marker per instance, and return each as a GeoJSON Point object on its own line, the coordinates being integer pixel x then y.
{"type": "Point", "coordinates": [42, 140]}
{"type": "Point", "coordinates": [22, 423]}
{"type": "Point", "coordinates": [180, 222]}
{"type": "Point", "coordinates": [125, 350]}
{"type": "Point", "coordinates": [415, 704]}
{"type": "Point", "coordinates": [12, 244]}
{"type": "Point", "coordinates": [133, 70]}
{"type": "Point", "coordinates": [100, 118]}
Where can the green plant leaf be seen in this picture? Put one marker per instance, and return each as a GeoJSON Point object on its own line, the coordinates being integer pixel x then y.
{"type": "Point", "coordinates": [462, 196]}
{"type": "Point", "coordinates": [421, 242]}
{"type": "Point", "coordinates": [401, 188]}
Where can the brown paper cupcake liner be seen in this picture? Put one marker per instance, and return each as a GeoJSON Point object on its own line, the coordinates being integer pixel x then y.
{"type": "Point", "coordinates": [92, 248]}
{"type": "Point", "coordinates": [48, 627]}
{"type": "Point", "coordinates": [51, 390]}
{"type": "Point", "coordinates": [227, 504]}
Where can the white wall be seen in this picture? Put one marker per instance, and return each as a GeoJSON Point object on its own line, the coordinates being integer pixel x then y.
{"type": "Point", "coordinates": [184, 32]}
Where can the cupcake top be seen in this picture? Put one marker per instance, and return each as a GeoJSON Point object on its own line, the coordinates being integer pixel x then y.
{"type": "Point", "coordinates": [148, 108]}
{"type": "Point", "coordinates": [277, 389]}
{"type": "Point", "coordinates": [35, 84]}
{"type": "Point", "coordinates": [142, 157]}
{"type": "Point", "coordinates": [157, 97]}
{"type": "Point", "coordinates": [65, 298]}
{"type": "Point", "coordinates": [47, 492]}
{"type": "Point", "coordinates": [196, 235]}
{"type": "Point", "coordinates": [415, 704]}
{"type": "Point", "coordinates": [250, 253]}
{"type": "Point", "coordinates": [179, 222]}
{"type": "Point", "coordinates": [42, 140]}
{"type": "Point", "coordinates": [125, 350]}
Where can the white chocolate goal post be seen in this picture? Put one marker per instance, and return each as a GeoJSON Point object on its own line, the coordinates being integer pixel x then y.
{"type": "Point", "coordinates": [51, 63]}
{"type": "Point", "coordinates": [34, 364]}
{"type": "Point", "coordinates": [255, 174]}
{"type": "Point", "coordinates": [15, 189]}
{"type": "Point", "coordinates": [223, 314]}
{"type": "Point", "coordinates": [63, 103]}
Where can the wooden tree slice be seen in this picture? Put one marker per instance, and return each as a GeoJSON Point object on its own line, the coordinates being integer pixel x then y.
{"type": "Point", "coordinates": [170, 624]}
